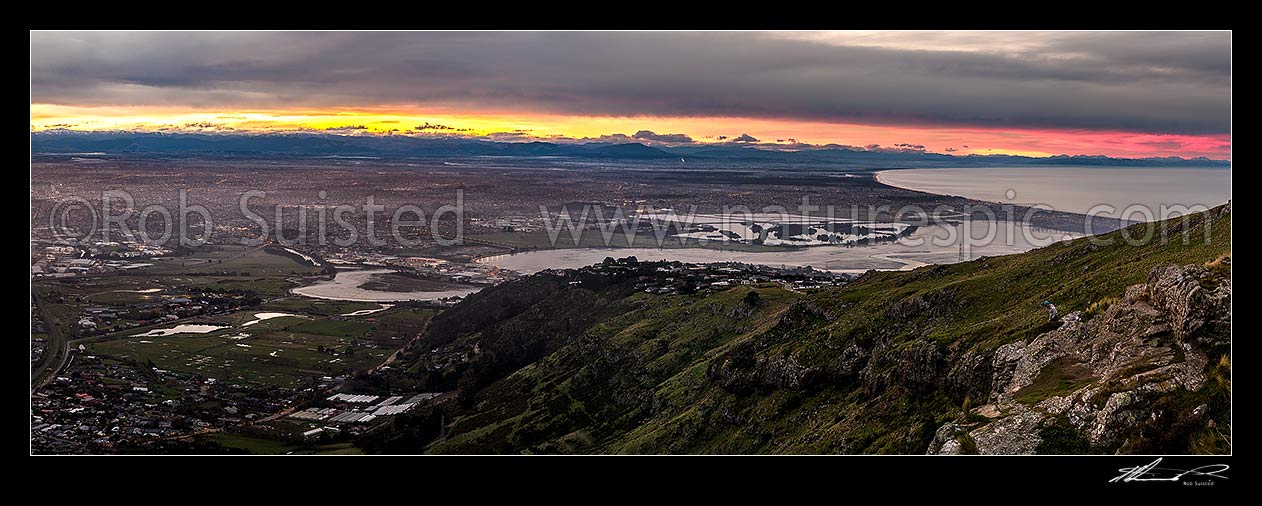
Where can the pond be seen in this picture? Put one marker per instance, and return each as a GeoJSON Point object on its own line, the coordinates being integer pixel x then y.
{"type": "Point", "coordinates": [258, 317]}
{"type": "Point", "coordinates": [181, 329]}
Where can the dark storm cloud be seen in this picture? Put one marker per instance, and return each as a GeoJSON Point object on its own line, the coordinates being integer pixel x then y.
{"type": "Point", "coordinates": [744, 138]}
{"type": "Point", "coordinates": [648, 135]}
{"type": "Point", "coordinates": [1140, 81]}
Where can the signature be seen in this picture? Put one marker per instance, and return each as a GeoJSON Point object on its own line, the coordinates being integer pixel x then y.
{"type": "Point", "coordinates": [1151, 472]}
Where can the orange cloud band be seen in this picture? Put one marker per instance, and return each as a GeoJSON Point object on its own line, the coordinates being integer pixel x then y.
{"type": "Point", "coordinates": [958, 140]}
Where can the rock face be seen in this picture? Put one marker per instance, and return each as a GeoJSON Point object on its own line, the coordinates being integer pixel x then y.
{"type": "Point", "coordinates": [916, 366]}
{"type": "Point", "coordinates": [1099, 376]}
{"type": "Point", "coordinates": [743, 370]}
{"type": "Point", "coordinates": [1014, 434]}
{"type": "Point", "coordinates": [971, 376]}
{"type": "Point", "coordinates": [1177, 292]}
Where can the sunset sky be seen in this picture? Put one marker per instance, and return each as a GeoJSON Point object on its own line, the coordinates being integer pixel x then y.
{"type": "Point", "coordinates": [1127, 94]}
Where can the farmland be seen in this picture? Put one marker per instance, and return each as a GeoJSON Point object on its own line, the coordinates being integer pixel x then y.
{"type": "Point", "coordinates": [284, 351]}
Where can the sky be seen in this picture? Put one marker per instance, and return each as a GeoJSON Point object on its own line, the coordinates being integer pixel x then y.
{"type": "Point", "coordinates": [1123, 94]}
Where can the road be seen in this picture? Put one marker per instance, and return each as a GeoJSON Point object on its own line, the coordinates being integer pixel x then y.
{"type": "Point", "coordinates": [390, 359]}
{"type": "Point", "coordinates": [56, 351]}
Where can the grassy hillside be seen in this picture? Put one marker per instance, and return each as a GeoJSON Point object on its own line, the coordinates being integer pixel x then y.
{"type": "Point", "coordinates": [998, 298]}
{"type": "Point", "coordinates": [606, 380]}
{"type": "Point", "coordinates": [873, 367]}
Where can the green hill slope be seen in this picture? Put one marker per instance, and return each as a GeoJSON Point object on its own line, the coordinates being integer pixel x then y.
{"type": "Point", "coordinates": [948, 359]}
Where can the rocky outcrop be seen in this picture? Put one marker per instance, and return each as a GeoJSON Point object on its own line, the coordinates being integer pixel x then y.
{"type": "Point", "coordinates": [970, 377]}
{"type": "Point", "coordinates": [850, 363]}
{"type": "Point", "coordinates": [1100, 375]}
{"type": "Point", "coordinates": [917, 366]}
{"type": "Point", "coordinates": [1177, 292]}
{"type": "Point", "coordinates": [749, 367]}
{"type": "Point", "coordinates": [1016, 433]}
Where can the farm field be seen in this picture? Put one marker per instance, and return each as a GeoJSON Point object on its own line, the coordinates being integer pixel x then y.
{"type": "Point", "coordinates": [281, 351]}
{"type": "Point", "coordinates": [260, 446]}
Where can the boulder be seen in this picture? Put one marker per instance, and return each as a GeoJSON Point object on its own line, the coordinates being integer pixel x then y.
{"type": "Point", "coordinates": [1177, 292]}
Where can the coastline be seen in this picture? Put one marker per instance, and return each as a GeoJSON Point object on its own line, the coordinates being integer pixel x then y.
{"type": "Point", "coordinates": [1127, 195]}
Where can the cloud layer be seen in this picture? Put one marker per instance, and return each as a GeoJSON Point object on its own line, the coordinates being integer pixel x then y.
{"type": "Point", "coordinates": [1155, 82]}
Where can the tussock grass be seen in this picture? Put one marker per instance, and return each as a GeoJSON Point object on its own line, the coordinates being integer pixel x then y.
{"type": "Point", "coordinates": [1102, 305]}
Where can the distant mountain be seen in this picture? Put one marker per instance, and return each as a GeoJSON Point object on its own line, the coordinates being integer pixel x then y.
{"type": "Point", "coordinates": [632, 150]}
{"type": "Point", "coordinates": [316, 144]}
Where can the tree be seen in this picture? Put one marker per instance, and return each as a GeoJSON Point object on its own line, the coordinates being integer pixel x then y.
{"type": "Point", "coordinates": [752, 298]}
